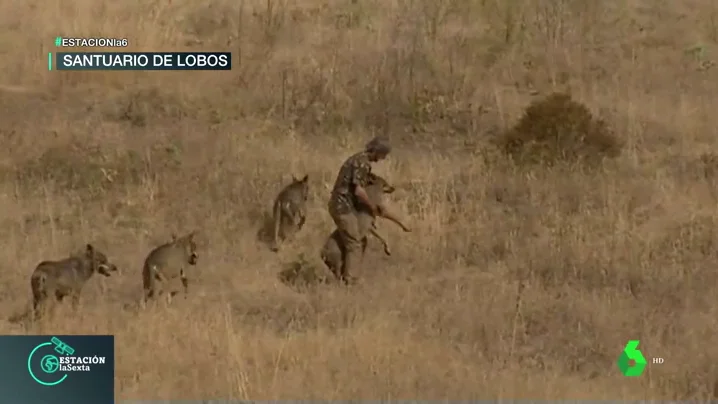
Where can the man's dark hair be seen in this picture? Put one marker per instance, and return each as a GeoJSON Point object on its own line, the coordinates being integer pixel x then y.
{"type": "Point", "coordinates": [379, 145]}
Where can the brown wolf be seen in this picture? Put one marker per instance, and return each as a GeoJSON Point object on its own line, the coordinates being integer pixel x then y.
{"type": "Point", "coordinates": [59, 279]}
{"type": "Point", "coordinates": [289, 212]}
{"type": "Point", "coordinates": [333, 252]}
{"type": "Point", "coordinates": [167, 263]}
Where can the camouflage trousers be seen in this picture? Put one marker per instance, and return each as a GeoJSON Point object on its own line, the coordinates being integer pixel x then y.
{"type": "Point", "coordinates": [351, 234]}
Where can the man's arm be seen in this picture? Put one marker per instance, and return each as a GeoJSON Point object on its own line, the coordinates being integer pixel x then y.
{"type": "Point", "coordinates": [360, 193]}
{"type": "Point", "coordinates": [360, 177]}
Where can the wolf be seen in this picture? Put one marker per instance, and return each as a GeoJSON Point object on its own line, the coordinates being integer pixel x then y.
{"type": "Point", "coordinates": [166, 263]}
{"type": "Point", "coordinates": [332, 253]}
{"type": "Point", "coordinates": [59, 279]}
{"type": "Point", "coordinates": [289, 212]}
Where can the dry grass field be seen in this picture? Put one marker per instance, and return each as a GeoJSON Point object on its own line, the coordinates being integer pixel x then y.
{"type": "Point", "coordinates": [595, 255]}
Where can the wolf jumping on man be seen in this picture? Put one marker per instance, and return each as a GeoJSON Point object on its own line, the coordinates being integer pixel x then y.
{"type": "Point", "coordinates": [349, 196]}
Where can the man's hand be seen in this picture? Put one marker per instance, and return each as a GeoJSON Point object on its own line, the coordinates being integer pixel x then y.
{"type": "Point", "coordinates": [360, 193]}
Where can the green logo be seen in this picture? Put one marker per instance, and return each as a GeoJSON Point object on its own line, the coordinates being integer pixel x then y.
{"type": "Point", "coordinates": [50, 363]}
{"type": "Point", "coordinates": [631, 353]}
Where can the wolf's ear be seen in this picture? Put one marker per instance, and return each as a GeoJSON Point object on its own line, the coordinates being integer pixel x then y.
{"type": "Point", "coordinates": [174, 237]}
{"type": "Point", "coordinates": [306, 177]}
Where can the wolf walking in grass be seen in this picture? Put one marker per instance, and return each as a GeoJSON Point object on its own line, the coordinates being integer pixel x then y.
{"type": "Point", "coordinates": [52, 281]}
{"type": "Point", "coordinates": [167, 264]}
{"type": "Point", "coordinates": [289, 212]}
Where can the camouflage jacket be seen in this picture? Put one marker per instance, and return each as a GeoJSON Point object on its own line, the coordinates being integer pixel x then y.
{"type": "Point", "coordinates": [355, 171]}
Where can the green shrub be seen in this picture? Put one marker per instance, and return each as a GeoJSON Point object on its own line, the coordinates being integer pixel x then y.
{"type": "Point", "coordinates": [559, 129]}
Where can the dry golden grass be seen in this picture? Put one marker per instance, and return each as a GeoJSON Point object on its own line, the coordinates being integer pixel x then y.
{"type": "Point", "coordinates": [122, 159]}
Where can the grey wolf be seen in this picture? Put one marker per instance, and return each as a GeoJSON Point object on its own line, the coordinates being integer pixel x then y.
{"type": "Point", "coordinates": [59, 279]}
{"type": "Point", "coordinates": [168, 263]}
{"type": "Point", "coordinates": [289, 212]}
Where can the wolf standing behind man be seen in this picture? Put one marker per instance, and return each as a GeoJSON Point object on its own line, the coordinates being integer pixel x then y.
{"type": "Point", "coordinates": [349, 195]}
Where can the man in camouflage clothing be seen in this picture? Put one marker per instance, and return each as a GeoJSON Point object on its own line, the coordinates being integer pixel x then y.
{"type": "Point", "coordinates": [349, 195]}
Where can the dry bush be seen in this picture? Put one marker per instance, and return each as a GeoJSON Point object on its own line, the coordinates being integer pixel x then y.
{"type": "Point", "coordinates": [558, 129]}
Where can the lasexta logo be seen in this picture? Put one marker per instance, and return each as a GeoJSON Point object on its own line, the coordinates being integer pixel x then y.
{"type": "Point", "coordinates": [44, 362]}
{"type": "Point", "coordinates": [631, 353]}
